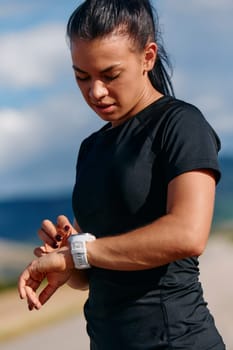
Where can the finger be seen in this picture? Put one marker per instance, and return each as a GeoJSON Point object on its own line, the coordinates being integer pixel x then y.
{"type": "Point", "coordinates": [40, 251]}
{"type": "Point", "coordinates": [27, 288]}
{"type": "Point", "coordinates": [31, 306]}
{"type": "Point", "coordinates": [29, 282]}
{"type": "Point", "coordinates": [43, 250]}
{"type": "Point", "coordinates": [64, 228]}
{"type": "Point", "coordinates": [22, 283]}
{"type": "Point", "coordinates": [46, 293]}
{"type": "Point", "coordinates": [63, 225]}
{"type": "Point", "coordinates": [32, 299]}
{"type": "Point", "coordinates": [30, 278]}
{"type": "Point", "coordinates": [48, 233]}
{"type": "Point", "coordinates": [34, 285]}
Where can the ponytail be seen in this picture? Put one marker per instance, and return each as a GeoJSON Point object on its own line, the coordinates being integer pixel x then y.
{"type": "Point", "coordinates": [160, 79]}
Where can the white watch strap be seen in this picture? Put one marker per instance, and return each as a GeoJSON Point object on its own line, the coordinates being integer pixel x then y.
{"type": "Point", "coordinates": [80, 255]}
{"type": "Point", "coordinates": [78, 249]}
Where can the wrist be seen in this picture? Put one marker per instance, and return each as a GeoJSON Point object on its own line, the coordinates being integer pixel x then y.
{"type": "Point", "coordinates": [66, 258]}
{"type": "Point", "coordinates": [69, 259]}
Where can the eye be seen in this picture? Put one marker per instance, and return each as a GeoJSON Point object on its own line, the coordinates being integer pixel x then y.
{"type": "Point", "coordinates": [78, 78]}
{"type": "Point", "coordinates": [112, 77]}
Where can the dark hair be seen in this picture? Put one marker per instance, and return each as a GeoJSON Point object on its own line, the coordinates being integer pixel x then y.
{"type": "Point", "coordinates": [98, 18]}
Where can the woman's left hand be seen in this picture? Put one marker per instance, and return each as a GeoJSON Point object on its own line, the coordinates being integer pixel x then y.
{"type": "Point", "coordinates": [56, 267]}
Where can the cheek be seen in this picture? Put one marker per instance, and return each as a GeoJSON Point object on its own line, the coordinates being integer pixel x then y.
{"type": "Point", "coordinates": [130, 90]}
{"type": "Point", "coordinates": [84, 90]}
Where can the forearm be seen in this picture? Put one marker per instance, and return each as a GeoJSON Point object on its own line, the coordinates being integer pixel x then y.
{"type": "Point", "coordinates": [157, 244]}
{"type": "Point", "coordinates": [182, 232]}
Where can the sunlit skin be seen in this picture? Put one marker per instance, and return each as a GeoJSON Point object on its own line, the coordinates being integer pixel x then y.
{"type": "Point", "coordinates": [113, 76]}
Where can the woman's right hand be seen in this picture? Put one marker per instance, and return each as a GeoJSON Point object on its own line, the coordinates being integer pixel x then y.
{"type": "Point", "coordinates": [54, 236]}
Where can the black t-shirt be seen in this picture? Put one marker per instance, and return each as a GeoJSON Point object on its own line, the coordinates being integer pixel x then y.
{"type": "Point", "coordinates": [121, 184]}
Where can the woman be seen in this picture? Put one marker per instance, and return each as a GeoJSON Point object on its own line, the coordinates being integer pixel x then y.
{"type": "Point", "coordinates": [145, 188]}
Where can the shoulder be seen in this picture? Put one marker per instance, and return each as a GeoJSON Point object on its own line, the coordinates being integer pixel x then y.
{"type": "Point", "coordinates": [178, 110]}
{"type": "Point", "coordinates": [166, 110]}
{"type": "Point", "coordinates": [177, 117]}
{"type": "Point", "coordinates": [173, 109]}
{"type": "Point", "coordinates": [183, 119]}
{"type": "Point", "coordinates": [189, 142]}
{"type": "Point", "coordinates": [171, 115]}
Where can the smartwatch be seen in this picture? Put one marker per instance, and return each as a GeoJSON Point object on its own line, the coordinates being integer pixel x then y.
{"type": "Point", "coordinates": [78, 249]}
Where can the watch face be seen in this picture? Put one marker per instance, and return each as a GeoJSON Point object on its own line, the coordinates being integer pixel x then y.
{"type": "Point", "coordinates": [83, 237]}
{"type": "Point", "coordinates": [77, 245]}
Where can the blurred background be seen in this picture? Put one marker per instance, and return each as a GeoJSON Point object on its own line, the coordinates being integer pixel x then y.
{"type": "Point", "coordinates": [43, 118]}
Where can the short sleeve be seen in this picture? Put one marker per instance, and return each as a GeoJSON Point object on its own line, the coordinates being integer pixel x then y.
{"type": "Point", "coordinates": [189, 143]}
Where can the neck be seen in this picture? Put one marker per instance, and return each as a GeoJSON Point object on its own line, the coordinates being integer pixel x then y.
{"type": "Point", "coordinates": [149, 97]}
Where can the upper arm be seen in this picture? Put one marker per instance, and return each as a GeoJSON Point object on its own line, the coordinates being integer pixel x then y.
{"type": "Point", "coordinates": [191, 201]}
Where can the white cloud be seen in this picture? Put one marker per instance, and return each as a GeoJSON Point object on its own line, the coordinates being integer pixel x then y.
{"type": "Point", "coordinates": [217, 112]}
{"type": "Point", "coordinates": [39, 146]}
{"type": "Point", "coordinates": [15, 8]}
{"type": "Point", "coordinates": [35, 57]}
{"type": "Point", "coordinates": [197, 18]}
{"type": "Point", "coordinates": [215, 103]}
{"type": "Point", "coordinates": [17, 135]}
{"type": "Point", "coordinates": [54, 126]}
{"type": "Point", "coordinates": [196, 5]}
{"type": "Point", "coordinates": [217, 5]}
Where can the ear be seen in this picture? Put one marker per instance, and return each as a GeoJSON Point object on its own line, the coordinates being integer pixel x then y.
{"type": "Point", "coordinates": [150, 54]}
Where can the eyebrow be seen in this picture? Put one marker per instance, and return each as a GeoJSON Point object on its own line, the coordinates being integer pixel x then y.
{"type": "Point", "coordinates": [105, 70]}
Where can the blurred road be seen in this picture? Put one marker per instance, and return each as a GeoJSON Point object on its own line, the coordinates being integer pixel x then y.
{"type": "Point", "coordinates": [69, 335]}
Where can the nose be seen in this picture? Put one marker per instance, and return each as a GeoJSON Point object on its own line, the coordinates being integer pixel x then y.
{"type": "Point", "coordinates": [97, 90]}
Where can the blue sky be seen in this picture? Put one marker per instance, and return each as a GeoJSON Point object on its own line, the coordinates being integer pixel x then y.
{"type": "Point", "coordinates": [42, 115]}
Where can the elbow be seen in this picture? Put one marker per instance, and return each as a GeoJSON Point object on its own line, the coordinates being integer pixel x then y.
{"type": "Point", "coordinates": [194, 243]}
{"type": "Point", "coordinates": [196, 249]}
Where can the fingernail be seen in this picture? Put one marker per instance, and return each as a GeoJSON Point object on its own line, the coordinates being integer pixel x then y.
{"type": "Point", "coordinates": [58, 238]}
{"type": "Point", "coordinates": [67, 228]}
{"type": "Point", "coordinates": [55, 245]}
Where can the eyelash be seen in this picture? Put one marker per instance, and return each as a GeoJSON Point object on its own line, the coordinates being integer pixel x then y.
{"type": "Point", "coordinates": [81, 79]}
{"type": "Point", "coordinates": [112, 78]}
{"type": "Point", "coordinates": [106, 78]}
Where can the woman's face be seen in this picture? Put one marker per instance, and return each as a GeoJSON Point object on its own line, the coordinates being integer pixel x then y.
{"type": "Point", "coordinates": [112, 77]}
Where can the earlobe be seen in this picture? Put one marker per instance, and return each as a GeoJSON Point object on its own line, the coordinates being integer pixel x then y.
{"type": "Point", "coordinates": [150, 56]}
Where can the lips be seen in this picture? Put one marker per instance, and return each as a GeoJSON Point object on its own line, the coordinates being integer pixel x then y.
{"type": "Point", "coordinates": [102, 107]}
{"type": "Point", "coordinates": [101, 104]}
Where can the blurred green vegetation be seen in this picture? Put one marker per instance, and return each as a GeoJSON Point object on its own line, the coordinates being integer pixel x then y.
{"type": "Point", "coordinates": [8, 285]}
